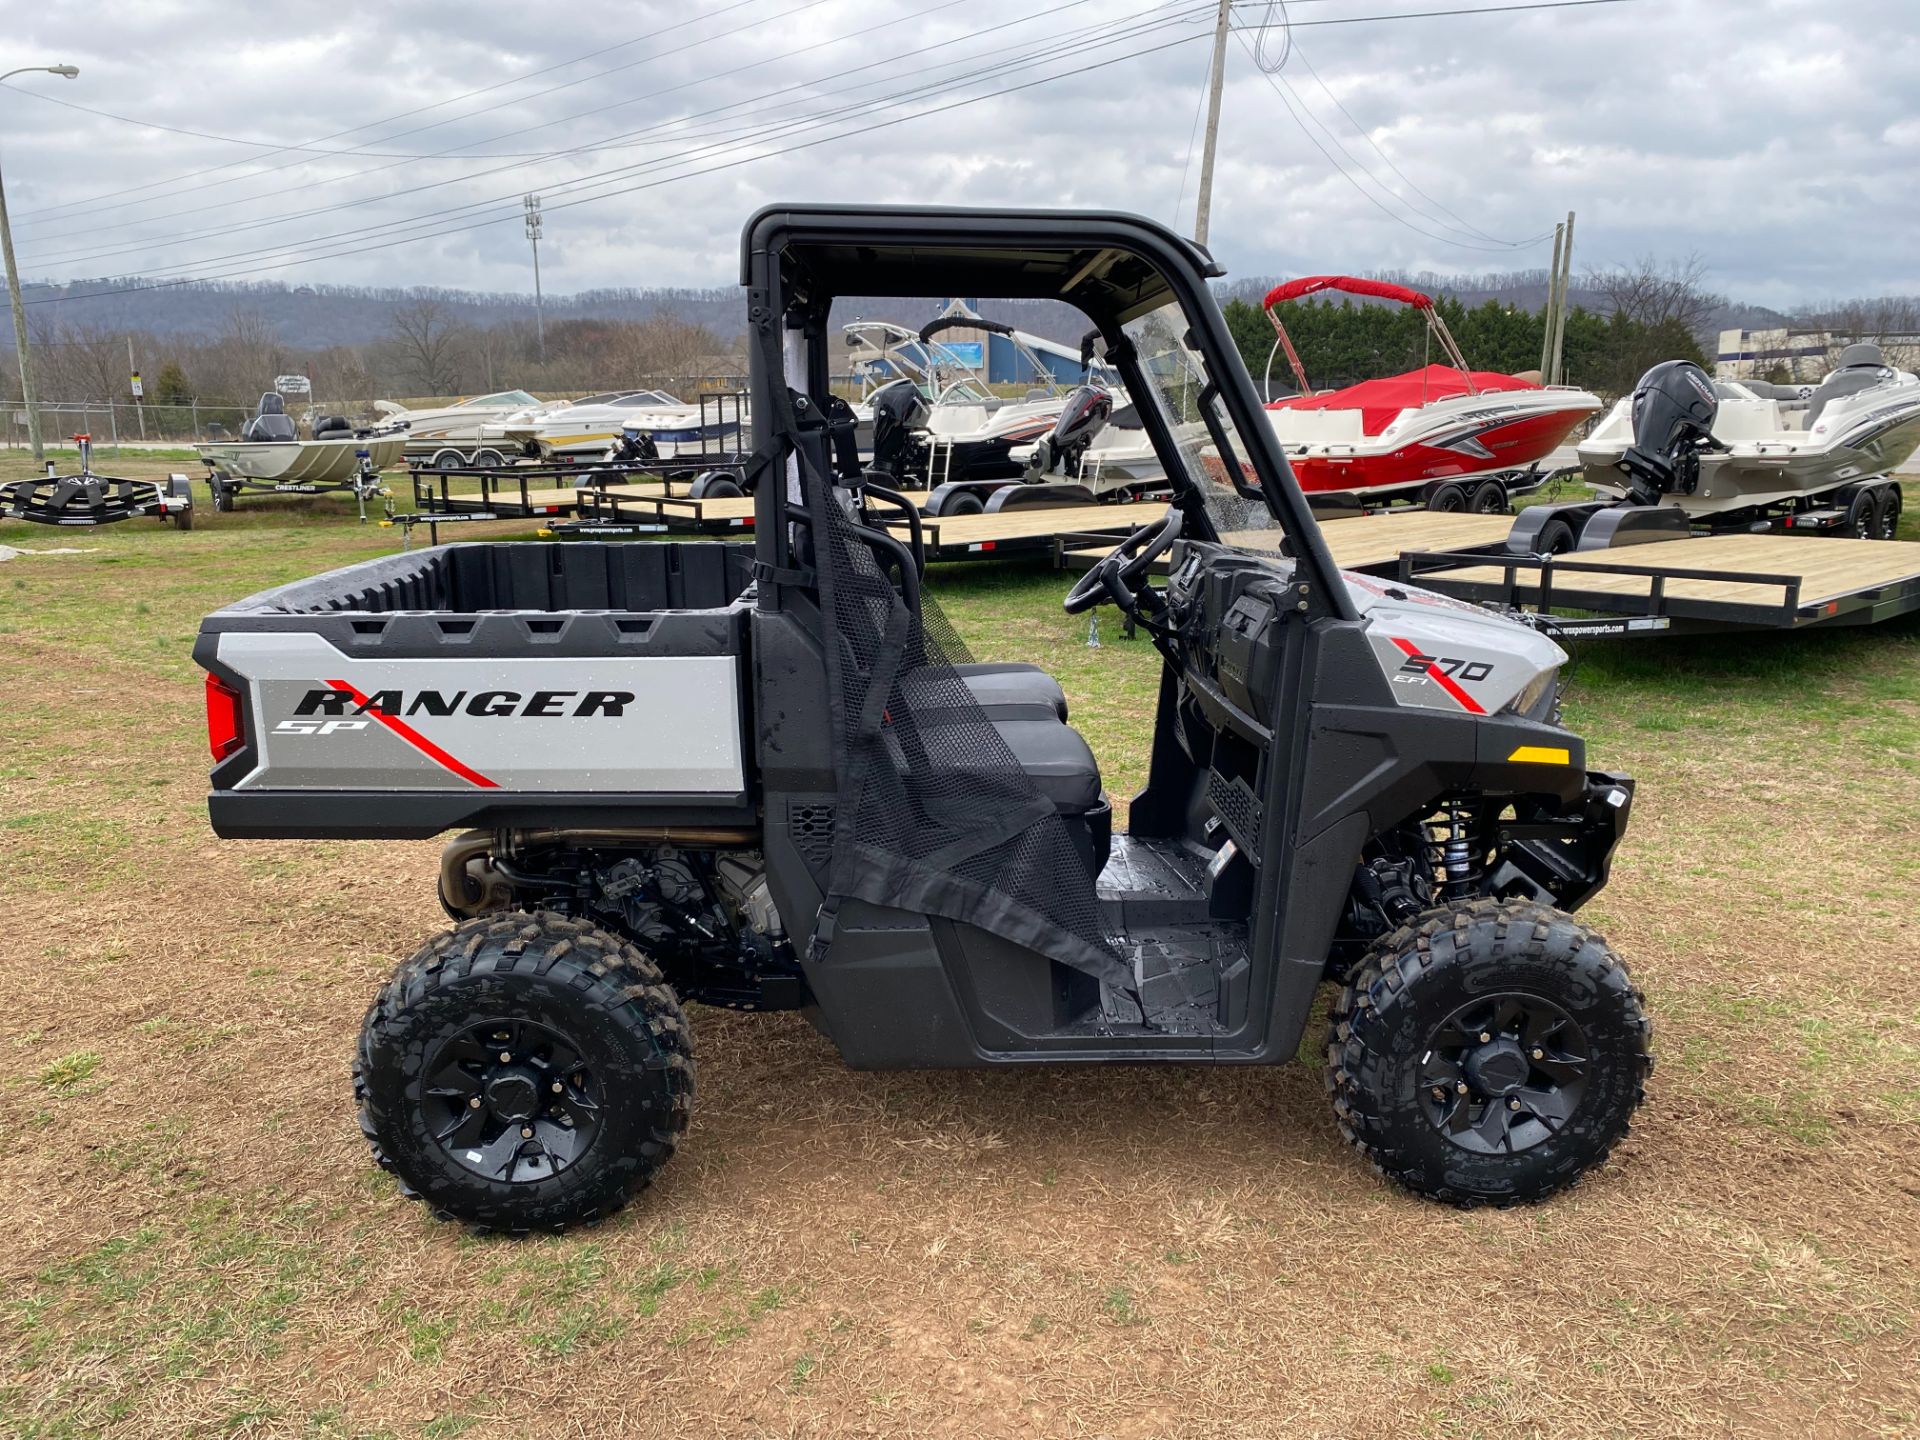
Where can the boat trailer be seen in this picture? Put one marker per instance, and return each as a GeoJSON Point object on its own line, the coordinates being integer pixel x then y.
{"type": "Point", "coordinates": [87, 499]}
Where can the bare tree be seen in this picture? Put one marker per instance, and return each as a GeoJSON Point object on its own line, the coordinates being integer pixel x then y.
{"type": "Point", "coordinates": [1654, 294]}
{"type": "Point", "coordinates": [428, 342]}
{"type": "Point", "coordinates": [1891, 321]}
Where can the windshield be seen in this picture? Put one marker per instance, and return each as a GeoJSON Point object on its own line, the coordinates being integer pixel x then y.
{"type": "Point", "coordinates": [505, 397]}
{"type": "Point", "coordinates": [1176, 385]}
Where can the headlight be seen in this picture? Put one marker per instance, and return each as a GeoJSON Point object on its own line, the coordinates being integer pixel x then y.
{"type": "Point", "coordinates": [1535, 700]}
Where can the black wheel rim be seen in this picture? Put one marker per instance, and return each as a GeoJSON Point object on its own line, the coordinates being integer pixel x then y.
{"type": "Point", "coordinates": [1504, 1073]}
{"type": "Point", "coordinates": [511, 1100]}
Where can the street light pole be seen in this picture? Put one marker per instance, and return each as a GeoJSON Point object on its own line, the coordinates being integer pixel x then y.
{"type": "Point", "coordinates": [13, 283]}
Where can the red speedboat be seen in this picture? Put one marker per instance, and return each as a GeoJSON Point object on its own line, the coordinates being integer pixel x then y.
{"type": "Point", "coordinates": [1454, 438]}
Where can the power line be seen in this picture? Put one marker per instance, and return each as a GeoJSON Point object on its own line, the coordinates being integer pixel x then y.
{"type": "Point", "coordinates": [1367, 135]}
{"type": "Point", "coordinates": [610, 177]}
{"type": "Point", "coordinates": [679, 136]}
{"type": "Point", "coordinates": [421, 129]}
{"type": "Point", "coordinates": [723, 164]}
{"type": "Point", "coordinates": [405, 114]}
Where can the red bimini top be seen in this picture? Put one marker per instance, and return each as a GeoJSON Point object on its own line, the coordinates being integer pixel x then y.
{"type": "Point", "coordinates": [1381, 401]}
{"type": "Point", "coordinates": [1352, 284]}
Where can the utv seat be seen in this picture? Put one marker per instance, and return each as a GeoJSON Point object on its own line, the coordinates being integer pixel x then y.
{"type": "Point", "coordinates": [1010, 691]}
{"type": "Point", "coordinates": [1058, 761]}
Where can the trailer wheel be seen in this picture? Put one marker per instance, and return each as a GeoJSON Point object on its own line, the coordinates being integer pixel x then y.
{"type": "Point", "coordinates": [1886, 515]}
{"type": "Point", "coordinates": [965, 503]}
{"type": "Point", "coordinates": [1449, 498]}
{"type": "Point", "coordinates": [222, 496]}
{"type": "Point", "coordinates": [524, 1072]}
{"type": "Point", "coordinates": [1489, 1053]}
{"type": "Point", "coordinates": [1489, 498]}
{"type": "Point", "coordinates": [447, 460]}
{"type": "Point", "coordinates": [1556, 537]}
{"type": "Point", "coordinates": [183, 519]}
{"type": "Point", "coordinates": [716, 485]}
{"type": "Point", "coordinates": [487, 460]}
{"type": "Point", "coordinates": [1863, 515]}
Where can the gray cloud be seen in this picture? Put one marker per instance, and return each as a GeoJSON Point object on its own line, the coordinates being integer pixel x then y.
{"type": "Point", "coordinates": [1779, 139]}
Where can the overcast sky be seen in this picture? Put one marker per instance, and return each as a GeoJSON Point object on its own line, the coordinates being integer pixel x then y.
{"type": "Point", "coordinates": [1778, 138]}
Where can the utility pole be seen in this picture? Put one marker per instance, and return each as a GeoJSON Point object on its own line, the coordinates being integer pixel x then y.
{"type": "Point", "coordinates": [533, 235]}
{"type": "Point", "coordinates": [1566, 285]}
{"type": "Point", "coordinates": [1203, 211]}
{"type": "Point", "coordinates": [13, 286]}
{"type": "Point", "coordinates": [1551, 308]}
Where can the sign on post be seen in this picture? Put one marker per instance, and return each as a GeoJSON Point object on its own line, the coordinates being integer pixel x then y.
{"type": "Point", "coordinates": [139, 391]}
{"type": "Point", "coordinates": [293, 384]}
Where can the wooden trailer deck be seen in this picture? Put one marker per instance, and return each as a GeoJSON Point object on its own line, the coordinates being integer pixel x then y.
{"type": "Point", "coordinates": [1360, 542]}
{"type": "Point", "coordinates": [1697, 583]}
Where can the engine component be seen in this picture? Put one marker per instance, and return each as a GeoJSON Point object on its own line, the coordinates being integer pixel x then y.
{"type": "Point", "coordinates": [1674, 407]}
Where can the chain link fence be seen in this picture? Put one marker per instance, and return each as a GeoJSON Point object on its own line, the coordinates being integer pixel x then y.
{"type": "Point", "coordinates": [121, 424]}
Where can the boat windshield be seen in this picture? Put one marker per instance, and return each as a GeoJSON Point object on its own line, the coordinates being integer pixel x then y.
{"type": "Point", "coordinates": [505, 397]}
{"type": "Point", "coordinates": [1210, 448]}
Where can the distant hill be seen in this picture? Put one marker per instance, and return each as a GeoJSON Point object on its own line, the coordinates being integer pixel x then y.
{"type": "Point", "coordinates": [317, 316]}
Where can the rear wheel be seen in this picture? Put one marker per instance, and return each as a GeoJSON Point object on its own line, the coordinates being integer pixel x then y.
{"type": "Point", "coordinates": [222, 496]}
{"type": "Point", "coordinates": [1490, 1053]}
{"type": "Point", "coordinates": [965, 503]}
{"type": "Point", "coordinates": [488, 460]}
{"type": "Point", "coordinates": [1449, 498]}
{"type": "Point", "coordinates": [447, 460]}
{"type": "Point", "coordinates": [1886, 518]}
{"type": "Point", "coordinates": [1863, 514]}
{"type": "Point", "coordinates": [1489, 498]}
{"type": "Point", "coordinates": [524, 1071]}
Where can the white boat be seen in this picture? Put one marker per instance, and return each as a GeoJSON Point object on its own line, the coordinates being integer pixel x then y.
{"type": "Point", "coordinates": [1768, 447]}
{"type": "Point", "coordinates": [450, 436]}
{"type": "Point", "coordinates": [584, 429]}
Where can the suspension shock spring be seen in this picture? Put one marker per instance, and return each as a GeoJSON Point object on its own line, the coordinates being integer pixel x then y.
{"type": "Point", "coordinates": [1460, 854]}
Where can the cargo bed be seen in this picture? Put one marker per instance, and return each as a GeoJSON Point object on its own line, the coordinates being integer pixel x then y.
{"type": "Point", "coordinates": [472, 685]}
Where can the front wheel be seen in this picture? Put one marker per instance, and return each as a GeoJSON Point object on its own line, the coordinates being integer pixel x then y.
{"type": "Point", "coordinates": [525, 1072]}
{"type": "Point", "coordinates": [1489, 1053]}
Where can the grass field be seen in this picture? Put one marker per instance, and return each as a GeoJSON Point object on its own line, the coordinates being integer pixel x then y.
{"type": "Point", "coordinates": [198, 1244]}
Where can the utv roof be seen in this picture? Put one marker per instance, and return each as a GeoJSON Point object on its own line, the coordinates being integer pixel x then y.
{"type": "Point", "coordinates": [1101, 261]}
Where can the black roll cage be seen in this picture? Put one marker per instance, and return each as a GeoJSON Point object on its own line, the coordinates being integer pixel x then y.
{"type": "Point", "coordinates": [1112, 266]}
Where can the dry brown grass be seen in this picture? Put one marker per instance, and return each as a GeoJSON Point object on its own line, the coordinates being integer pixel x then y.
{"type": "Point", "coordinates": [199, 1246]}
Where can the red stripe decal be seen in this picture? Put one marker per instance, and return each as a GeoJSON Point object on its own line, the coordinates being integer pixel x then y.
{"type": "Point", "coordinates": [414, 738]}
{"type": "Point", "coordinates": [1445, 682]}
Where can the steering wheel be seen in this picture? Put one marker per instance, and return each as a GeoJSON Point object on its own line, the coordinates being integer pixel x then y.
{"type": "Point", "coordinates": [1126, 565]}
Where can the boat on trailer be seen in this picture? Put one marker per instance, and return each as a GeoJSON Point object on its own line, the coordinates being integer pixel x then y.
{"type": "Point", "coordinates": [1446, 436]}
{"type": "Point", "coordinates": [1748, 453]}
{"type": "Point", "coordinates": [270, 457]}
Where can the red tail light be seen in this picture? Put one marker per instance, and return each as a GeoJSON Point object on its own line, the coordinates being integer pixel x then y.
{"type": "Point", "coordinates": [224, 730]}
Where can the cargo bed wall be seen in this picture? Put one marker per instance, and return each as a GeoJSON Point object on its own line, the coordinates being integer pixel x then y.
{"type": "Point", "coordinates": [490, 684]}
{"type": "Point", "coordinates": [519, 576]}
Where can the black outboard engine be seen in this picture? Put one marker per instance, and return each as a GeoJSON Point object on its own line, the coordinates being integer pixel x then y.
{"type": "Point", "coordinates": [899, 416]}
{"type": "Point", "coordinates": [1674, 407]}
{"type": "Point", "coordinates": [1082, 418]}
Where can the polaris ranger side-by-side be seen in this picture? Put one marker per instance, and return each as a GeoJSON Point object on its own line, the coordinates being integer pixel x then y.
{"type": "Point", "coordinates": [769, 778]}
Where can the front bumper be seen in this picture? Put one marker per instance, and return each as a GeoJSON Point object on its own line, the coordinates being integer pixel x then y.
{"type": "Point", "coordinates": [1561, 856]}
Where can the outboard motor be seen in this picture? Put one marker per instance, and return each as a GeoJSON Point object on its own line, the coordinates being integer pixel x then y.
{"type": "Point", "coordinates": [1674, 407]}
{"type": "Point", "coordinates": [899, 415]}
{"type": "Point", "coordinates": [1082, 418]}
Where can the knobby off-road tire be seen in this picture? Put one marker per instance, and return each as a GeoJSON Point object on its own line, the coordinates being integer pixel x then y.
{"type": "Point", "coordinates": [1489, 1053]}
{"type": "Point", "coordinates": [530, 1022]}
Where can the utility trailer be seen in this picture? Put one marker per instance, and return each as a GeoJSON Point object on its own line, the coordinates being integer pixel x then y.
{"type": "Point", "coordinates": [86, 499]}
{"type": "Point", "coordinates": [773, 779]}
{"type": "Point", "coordinates": [1684, 584]}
